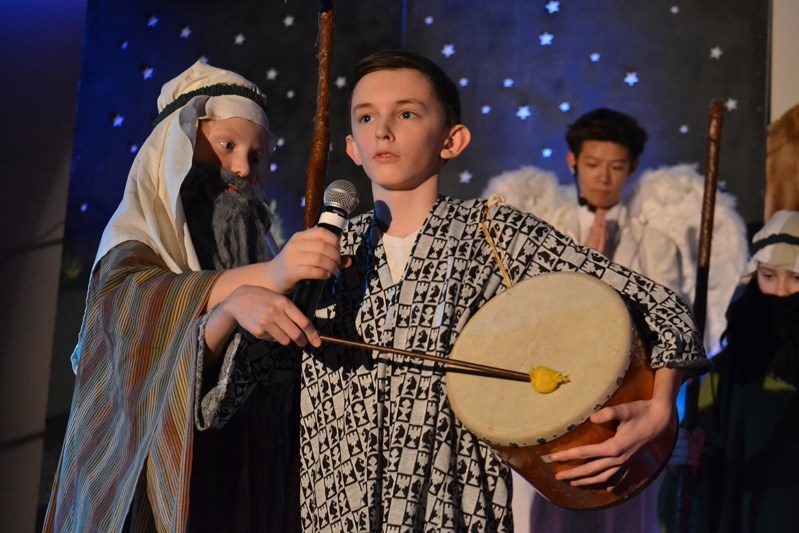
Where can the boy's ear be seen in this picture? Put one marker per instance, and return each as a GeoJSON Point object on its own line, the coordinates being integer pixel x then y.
{"type": "Point", "coordinates": [352, 150]}
{"type": "Point", "coordinates": [456, 142]}
{"type": "Point", "coordinates": [571, 160]}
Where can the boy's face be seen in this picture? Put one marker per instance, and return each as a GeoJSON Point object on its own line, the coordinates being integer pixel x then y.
{"type": "Point", "coordinates": [602, 170]}
{"type": "Point", "coordinates": [776, 280]}
{"type": "Point", "coordinates": [399, 131]}
{"type": "Point", "coordinates": [236, 144]}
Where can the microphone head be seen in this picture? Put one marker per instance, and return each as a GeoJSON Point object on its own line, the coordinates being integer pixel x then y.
{"type": "Point", "coordinates": [342, 194]}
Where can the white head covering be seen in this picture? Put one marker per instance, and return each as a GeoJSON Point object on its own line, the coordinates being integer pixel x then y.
{"type": "Point", "coordinates": [150, 211]}
{"type": "Point", "coordinates": [776, 244]}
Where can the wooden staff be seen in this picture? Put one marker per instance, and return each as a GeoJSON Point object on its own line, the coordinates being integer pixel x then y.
{"type": "Point", "coordinates": [686, 482]}
{"type": "Point", "coordinates": [316, 172]}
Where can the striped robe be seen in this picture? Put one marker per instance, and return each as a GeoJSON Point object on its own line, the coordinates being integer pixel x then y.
{"type": "Point", "coordinates": [381, 450]}
{"type": "Point", "coordinates": [134, 395]}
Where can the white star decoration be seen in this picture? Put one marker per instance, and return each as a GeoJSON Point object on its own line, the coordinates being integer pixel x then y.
{"type": "Point", "coordinates": [123, 45]}
{"type": "Point", "coordinates": [463, 82]}
{"type": "Point", "coordinates": [564, 106]}
{"type": "Point", "coordinates": [731, 104]}
{"type": "Point", "coordinates": [341, 82]}
{"type": "Point", "coordinates": [523, 112]}
{"type": "Point", "coordinates": [716, 52]}
{"type": "Point", "coordinates": [631, 78]}
{"type": "Point", "coordinates": [204, 58]}
{"type": "Point", "coordinates": [185, 32]}
{"type": "Point", "coordinates": [281, 141]}
{"type": "Point", "coordinates": [272, 167]}
{"type": "Point", "coordinates": [152, 21]}
{"type": "Point", "coordinates": [239, 39]}
{"type": "Point", "coordinates": [546, 152]}
{"type": "Point", "coordinates": [117, 120]}
{"type": "Point", "coordinates": [486, 109]}
{"type": "Point", "coordinates": [290, 94]}
{"type": "Point", "coordinates": [134, 148]}
{"type": "Point", "coordinates": [288, 21]}
{"type": "Point", "coordinates": [675, 10]}
{"type": "Point", "coordinates": [546, 39]}
{"type": "Point", "coordinates": [465, 176]}
{"type": "Point", "coordinates": [507, 83]}
{"type": "Point", "coordinates": [684, 129]}
{"type": "Point", "coordinates": [271, 74]}
{"type": "Point", "coordinates": [428, 20]}
{"type": "Point", "coordinates": [147, 73]}
{"type": "Point", "coordinates": [595, 57]}
{"type": "Point", "coordinates": [552, 7]}
{"type": "Point", "coordinates": [448, 50]}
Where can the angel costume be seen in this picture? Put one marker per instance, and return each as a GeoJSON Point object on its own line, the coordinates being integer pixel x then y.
{"type": "Point", "coordinates": [653, 233]}
{"type": "Point", "coordinates": [381, 449]}
{"type": "Point", "coordinates": [130, 441]}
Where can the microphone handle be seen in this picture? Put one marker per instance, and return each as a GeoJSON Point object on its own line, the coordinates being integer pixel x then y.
{"type": "Point", "coordinates": [308, 291]}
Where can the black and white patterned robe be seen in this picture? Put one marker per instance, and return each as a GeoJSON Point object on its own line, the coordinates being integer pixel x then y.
{"type": "Point", "coordinates": [381, 450]}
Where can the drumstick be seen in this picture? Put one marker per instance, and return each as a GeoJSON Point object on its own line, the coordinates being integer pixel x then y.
{"type": "Point", "coordinates": [484, 369]}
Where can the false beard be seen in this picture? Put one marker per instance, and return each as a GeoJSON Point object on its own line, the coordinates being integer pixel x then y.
{"type": "Point", "coordinates": [227, 220]}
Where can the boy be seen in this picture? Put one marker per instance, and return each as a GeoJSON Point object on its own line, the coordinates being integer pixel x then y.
{"type": "Point", "coordinates": [381, 450]}
{"type": "Point", "coordinates": [154, 319]}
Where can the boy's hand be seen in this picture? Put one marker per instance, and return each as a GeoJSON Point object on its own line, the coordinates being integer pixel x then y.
{"type": "Point", "coordinates": [269, 316]}
{"type": "Point", "coordinates": [639, 422]}
{"type": "Point", "coordinates": [309, 254]}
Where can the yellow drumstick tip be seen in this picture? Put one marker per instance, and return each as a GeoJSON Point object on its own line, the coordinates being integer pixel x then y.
{"type": "Point", "coordinates": [546, 380]}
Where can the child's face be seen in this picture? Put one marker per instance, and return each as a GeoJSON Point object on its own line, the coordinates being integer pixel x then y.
{"type": "Point", "coordinates": [602, 170]}
{"type": "Point", "coordinates": [777, 280]}
{"type": "Point", "coordinates": [236, 144]}
{"type": "Point", "coordinates": [399, 130]}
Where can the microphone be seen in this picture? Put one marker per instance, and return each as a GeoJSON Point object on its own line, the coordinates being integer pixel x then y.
{"type": "Point", "coordinates": [340, 200]}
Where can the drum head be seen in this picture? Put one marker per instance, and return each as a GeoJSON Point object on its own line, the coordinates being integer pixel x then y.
{"type": "Point", "coordinates": [570, 322]}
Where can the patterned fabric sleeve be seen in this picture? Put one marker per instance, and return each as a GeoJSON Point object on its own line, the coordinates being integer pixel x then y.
{"type": "Point", "coordinates": [532, 246]}
{"type": "Point", "coordinates": [246, 363]}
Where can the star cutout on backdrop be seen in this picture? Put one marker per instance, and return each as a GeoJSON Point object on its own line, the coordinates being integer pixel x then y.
{"type": "Point", "coordinates": [631, 78]}
{"type": "Point", "coordinates": [288, 21]}
{"type": "Point", "coordinates": [731, 104]}
{"type": "Point", "coordinates": [448, 50]}
{"type": "Point", "coordinates": [428, 20]}
{"type": "Point", "coordinates": [204, 58]}
{"type": "Point", "coordinates": [552, 7]}
{"type": "Point", "coordinates": [486, 109]}
{"type": "Point", "coordinates": [271, 74]}
{"type": "Point", "coordinates": [341, 82]}
{"type": "Point", "coordinates": [595, 57]}
{"type": "Point", "coordinates": [302, 201]}
{"type": "Point", "coordinates": [290, 94]}
{"type": "Point", "coordinates": [185, 32]}
{"type": "Point", "coordinates": [465, 176]}
{"type": "Point", "coordinates": [564, 106]}
{"type": "Point", "coordinates": [133, 148]}
{"type": "Point", "coordinates": [281, 141]}
{"type": "Point", "coordinates": [273, 167]}
{"type": "Point", "coordinates": [684, 129]}
{"type": "Point", "coordinates": [546, 152]}
{"type": "Point", "coordinates": [239, 39]}
{"type": "Point", "coordinates": [463, 82]}
{"type": "Point", "coordinates": [84, 207]}
{"type": "Point", "coordinates": [123, 45]}
{"type": "Point", "coordinates": [147, 73]}
{"type": "Point", "coordinates": [152, 21]}
{"type": "Point", "coordinates": [674, 10]}
{"type": "Point", "coordinates": [523, 112]}
{"type": "Point", "coordinates": [716, 52]}
{"type": "Point", "coordinates": [507, 83]}
{"type": "Point", "coordinates": [546, 39]}
{"type": "Point", "coordinates": [117, 120]}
